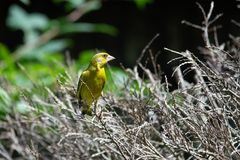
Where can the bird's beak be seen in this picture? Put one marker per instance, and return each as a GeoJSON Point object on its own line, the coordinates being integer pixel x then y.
{"type": "Point", "coordinates": [109, 58]}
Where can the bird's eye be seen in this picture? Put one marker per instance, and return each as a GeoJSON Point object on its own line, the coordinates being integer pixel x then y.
{"type": "Point", "coordinates": [105, 55]}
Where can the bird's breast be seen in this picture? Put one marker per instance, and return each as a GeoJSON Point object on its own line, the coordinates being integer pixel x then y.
{"type": "Point", "coordinates": [97, 85]}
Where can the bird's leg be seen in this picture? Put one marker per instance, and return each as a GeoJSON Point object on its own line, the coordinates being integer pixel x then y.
{"type": "Point", "coordinates": [95, 107]}
{"type": "Point", "coordinates": [78, 109]}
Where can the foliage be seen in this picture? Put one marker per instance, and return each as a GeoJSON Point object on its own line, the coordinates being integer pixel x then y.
{"type": "Point", "coordinates": [137, 117]}
{"type": "Point", "coordinates": [142, 3]}
{"type": "Point", "coordinates": [38, 62]}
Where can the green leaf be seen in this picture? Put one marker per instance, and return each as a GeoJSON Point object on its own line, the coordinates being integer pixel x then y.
{"type": "Point", "coordinates": [88, 28]}
{"type": "Point", "coordinates": [5, 99]}
{"type": "Point", "coordinates": [177, 98]}
{"type": "Point", "coordinates": [44, 73]}
{"type": "Point", "coordinates": [21, 80]}
{"type": "Point", "coordinates": [22, 107]}
{"type": "Point", "coordinates": [85, 57]}
{"type": "Point", "coordinates": [26, 2]}
{"type": "Point", "coordinates": [116, 78]}
{"type": "Point", "coordinates": [53, 46]}
{"type": "Point", "coordinates": [20, 19]}
{"type": "Point", "coordinates": [142, 3]}
{"type": "Point", "coordinates": [76, 3]}
{"type": "Point", "coordinates": [38, 21]}
{"type": "Point", "coordinates": [6, 58]}
{"type": "Point", "coordinates": [17, 18]}
{"type": "Point", "coordinates": [85, 5]}
{"type": "Point", "coordinates": [30, 24]}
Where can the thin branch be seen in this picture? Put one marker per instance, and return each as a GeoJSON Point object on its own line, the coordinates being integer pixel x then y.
{"type": "Point", "coordinates": [192, 25]}
{"type": "Point", "coordinates": [147, 47]}
{"type": "Point", "coordinates": [235, 22]}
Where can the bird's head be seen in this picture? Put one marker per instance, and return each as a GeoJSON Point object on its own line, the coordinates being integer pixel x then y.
{"type": "Point", "coordinates": [100, 59]}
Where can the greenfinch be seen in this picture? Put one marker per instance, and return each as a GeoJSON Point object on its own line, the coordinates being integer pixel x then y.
{"type": "Point", "coordinates": [92, 81]}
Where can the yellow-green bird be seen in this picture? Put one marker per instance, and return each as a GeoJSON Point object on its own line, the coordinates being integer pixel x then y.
{"type": "Point", "coordinates": [92, 81]}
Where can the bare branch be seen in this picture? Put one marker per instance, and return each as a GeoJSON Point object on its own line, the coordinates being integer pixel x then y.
{"type": "Point", "coordinates": [192, 25]}
{"type": "Point", "coordinates": [235, 22]}
{"type": "Point", "coordinates": [147, 47]}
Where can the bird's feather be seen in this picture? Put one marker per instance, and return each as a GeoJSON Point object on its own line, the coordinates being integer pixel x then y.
{"type": "Point", "coordinates": [92, 81]}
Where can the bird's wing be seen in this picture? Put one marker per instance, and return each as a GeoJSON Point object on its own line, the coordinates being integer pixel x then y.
{"type": "Point", "coordinates": [82, 79]}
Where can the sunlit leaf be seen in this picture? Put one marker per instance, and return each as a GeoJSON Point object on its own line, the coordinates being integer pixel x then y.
{"type": "Point", "coordinates": [85, 5]}
{"type": "Point", "coordinates": [22, 107]}
{"type": "Point", "coordinates": [20, 19]}
{"type": "Point", "coordinates": [76, 2]}
{"type": "Point", "coordinates": [30, 24]}
{"type": "Point", "coordinates": [21, 80]}
{"type": "Point", "coordinates": [116, 78]}
{"type": "Point", "coordinates": [48, 48]}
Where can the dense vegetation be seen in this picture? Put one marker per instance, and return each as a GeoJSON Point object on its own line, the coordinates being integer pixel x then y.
{"type": "Point", "coordinates": [142, 120]}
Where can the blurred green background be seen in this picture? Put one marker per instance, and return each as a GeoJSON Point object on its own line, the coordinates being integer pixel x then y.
{"type": "Point", "coordinates": [40, 39]}
{"type": "Point", "coordinates": [120, 27]}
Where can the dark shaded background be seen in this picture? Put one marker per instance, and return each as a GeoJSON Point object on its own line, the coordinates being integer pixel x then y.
{"type": "Point", "coordinates": [136, 27]}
